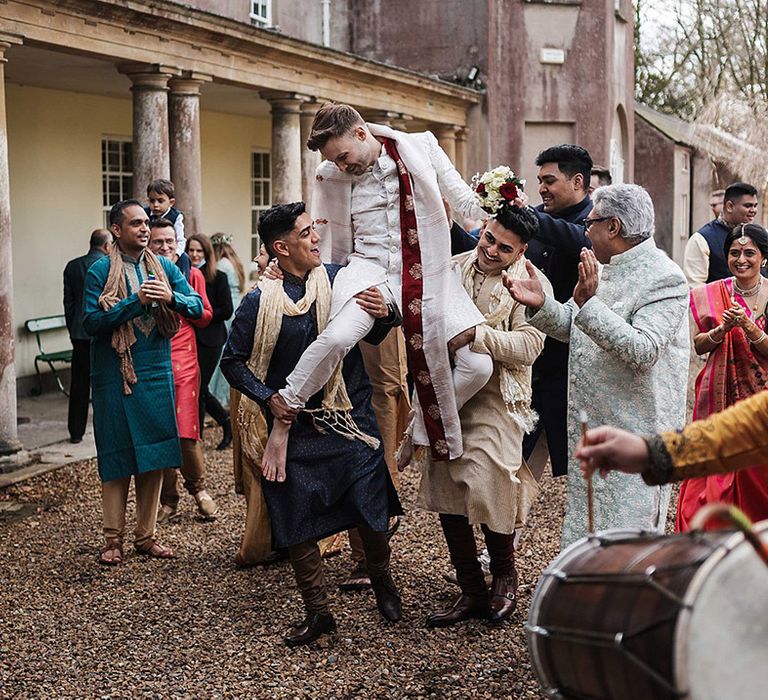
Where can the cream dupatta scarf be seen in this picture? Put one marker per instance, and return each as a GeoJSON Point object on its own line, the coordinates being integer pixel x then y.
{"type": "Point", "coordinates": [516, 390]}
{"type": "Point", "coordinates": [335, 411]}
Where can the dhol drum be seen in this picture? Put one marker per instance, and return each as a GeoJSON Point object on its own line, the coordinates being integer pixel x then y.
{"type": "Point", "coordinates": [626, 615]}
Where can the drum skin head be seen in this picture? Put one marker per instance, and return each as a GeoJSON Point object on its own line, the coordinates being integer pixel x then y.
{"type": "Point", "coordinates": [717, 646]}
{"type": "Point", "coordinates": [721, 642]}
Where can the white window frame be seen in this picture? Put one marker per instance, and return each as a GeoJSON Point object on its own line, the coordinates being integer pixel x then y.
{"type": "Point", "coordinates": [126, 192]}
{"type": "Point", "coordinates": [261, 13]}
{"type": "Point", "coordinates": [616, 163]}
{"type": "Point", "coordinates": [259, 206]}
{"type": "Point", "coordinates": [685, 208]}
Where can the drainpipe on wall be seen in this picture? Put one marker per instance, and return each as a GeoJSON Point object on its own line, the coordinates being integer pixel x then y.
{"type": "Point", "coordinates": [326, 22]}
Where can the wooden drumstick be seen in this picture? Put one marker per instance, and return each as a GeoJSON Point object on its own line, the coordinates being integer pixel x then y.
{"type": "Point", "coordinates": [590, 500]}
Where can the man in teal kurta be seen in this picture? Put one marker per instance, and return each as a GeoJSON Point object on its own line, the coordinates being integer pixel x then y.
{"type": "Point", "coordinates": [129, 315]}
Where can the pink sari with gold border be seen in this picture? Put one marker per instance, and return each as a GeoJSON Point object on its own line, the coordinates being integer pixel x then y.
{"type": "Point", "coordinates": [733, 372]}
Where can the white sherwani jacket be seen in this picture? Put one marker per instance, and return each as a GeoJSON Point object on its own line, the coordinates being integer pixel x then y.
{"type": "Point", "coordinates": [627, 367]}
{"type": "Point", "coordinates": [446, 308]}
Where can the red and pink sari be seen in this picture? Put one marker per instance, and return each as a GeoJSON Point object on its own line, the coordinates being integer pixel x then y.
{"type": "Point", "coordinates": [734, 371]}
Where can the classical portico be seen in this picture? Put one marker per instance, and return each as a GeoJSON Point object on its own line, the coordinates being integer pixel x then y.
{"type": "Point", "coordinates": [198, 102]}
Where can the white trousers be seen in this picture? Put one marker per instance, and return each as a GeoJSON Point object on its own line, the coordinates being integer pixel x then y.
{"type": "Point", "coordinates": [471, 372]}
{"type": "Point", "coordinates": [313, 370]}
{"type": "Point", "coordinates": [347, 328]}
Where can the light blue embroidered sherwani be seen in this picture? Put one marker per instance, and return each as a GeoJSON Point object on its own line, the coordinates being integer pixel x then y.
{"type": "Point", "coordinates": [627, 367]}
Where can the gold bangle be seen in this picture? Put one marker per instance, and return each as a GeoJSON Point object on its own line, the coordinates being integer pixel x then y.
{"type": "Point", "coordinates": [716, 342]}
{"type": "Point", "coordinates": [759, 339]}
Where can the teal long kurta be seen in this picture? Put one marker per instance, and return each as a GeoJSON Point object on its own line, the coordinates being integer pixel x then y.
{"type": "Point", "coordinates": [135, 433]}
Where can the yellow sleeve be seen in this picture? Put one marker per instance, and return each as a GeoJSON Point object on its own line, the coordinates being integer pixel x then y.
{"type": "Point", "coordinates": [733, 439]}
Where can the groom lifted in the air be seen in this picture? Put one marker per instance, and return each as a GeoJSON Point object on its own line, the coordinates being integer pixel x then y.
{"type": "Point", "coordinates": [378, 207]}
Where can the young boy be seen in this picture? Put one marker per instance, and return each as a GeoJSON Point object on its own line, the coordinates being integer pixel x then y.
{"type": "Point", "coordinates": [162, 198]}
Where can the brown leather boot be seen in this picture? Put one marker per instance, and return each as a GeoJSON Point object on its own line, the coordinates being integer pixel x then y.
{"type": "Point", "coordinates": [315, 625]}
{"type": "Point", "coordinates": [465, 607]}
{"type": "Point", "coordinates": [387, 597]}
{"type": "Point", "coordinates": [503, 597]}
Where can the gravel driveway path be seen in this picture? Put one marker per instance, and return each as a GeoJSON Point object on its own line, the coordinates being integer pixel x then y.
{"type": "Point", "coordinates": [199, 627]}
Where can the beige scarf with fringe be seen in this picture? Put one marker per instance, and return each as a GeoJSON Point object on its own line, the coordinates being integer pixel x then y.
{"type": "Point", "coordinates": [515, 381]}
{"type": "Point", "coordinates": [115, 290]}
{"type": "Point", "coordinates": [335, 411]}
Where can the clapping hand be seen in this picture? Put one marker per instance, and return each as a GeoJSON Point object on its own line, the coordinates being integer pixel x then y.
{"type": "Point", "coordinates": [586, 287]}
{"type": "Point", "coordinates": [154, 290]}
{"type": "Point", "coordinates": [733, 317]}
{"type": "Point", "coordinates": [528, 292]}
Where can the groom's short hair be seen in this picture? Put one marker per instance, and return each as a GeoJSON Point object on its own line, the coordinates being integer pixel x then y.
{"type": "Point", "coordinates": [332, 120]}
{"type": "Point", "coordinates": [277, 222]}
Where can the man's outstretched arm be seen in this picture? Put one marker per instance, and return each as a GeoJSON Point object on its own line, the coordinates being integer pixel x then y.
{"type": "Point", "coordinates": [733, 439]}
{"type": "Point", "coordinates": [566, 237]}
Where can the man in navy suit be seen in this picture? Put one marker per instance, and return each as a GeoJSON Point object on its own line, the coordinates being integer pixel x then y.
{"type": "Point", "coordinates": [564, 178]}
{"type": "Point", "coordinates": [80, 384]}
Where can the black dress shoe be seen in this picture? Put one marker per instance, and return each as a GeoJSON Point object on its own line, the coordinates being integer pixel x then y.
{"type": "Point", "coordinates": [503, 597]}
{"type": "Point", "coordinates": [465, 607]}
{"type": "Point", "coordinates": [387, 597]}
{"type": "Point", "coordinates": [308, 631]}
{"type": "Point", "coordinates": [75, 440]}
{"type": "Point", "coordinates": [226, 437]}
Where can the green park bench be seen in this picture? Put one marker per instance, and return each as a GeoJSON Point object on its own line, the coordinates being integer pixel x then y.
{"type": "Point", "coordinates": [41, 325]}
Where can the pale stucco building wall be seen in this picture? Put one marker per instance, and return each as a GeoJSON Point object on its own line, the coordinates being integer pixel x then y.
{"type": "Point", "coordinates": [54, 141]}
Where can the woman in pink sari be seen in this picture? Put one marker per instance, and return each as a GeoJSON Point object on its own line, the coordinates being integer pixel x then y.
{"type": "Point", "coordinates": [730, 317]}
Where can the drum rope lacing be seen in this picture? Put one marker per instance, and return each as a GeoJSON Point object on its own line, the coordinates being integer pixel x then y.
{"type": "Point", "coordinates": [629, 578]}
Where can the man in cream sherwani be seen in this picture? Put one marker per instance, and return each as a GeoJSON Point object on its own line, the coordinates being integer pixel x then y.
{"type": "Point", "coordinates": [629, 347]}
{"type": "Point", "coordinates": [490, 485]}
{"type": "Point", "coordinates": [378, 207]}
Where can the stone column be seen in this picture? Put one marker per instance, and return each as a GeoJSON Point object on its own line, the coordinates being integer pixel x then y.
{"type": "Point", "coordinates": [401, 122]}
{"type": "Point", "coordinates": [286, 146]}
{"type": "Point", "coordinates": [10, 448]}
{"type": "Point", "coordinates": [394, 120]}
{"type": "Point", "coordinates": [151, 157]}
{"type": "Point", "coordinates": [309, 159]}
{"type": "Point", "coordinates": [446, 137]}
{"type": "Point", "coordinates": [382, 117]}
{"type": "Point", "coordinates": [461, 152]}
{"type": "Point", "coordinates": [184, 113]}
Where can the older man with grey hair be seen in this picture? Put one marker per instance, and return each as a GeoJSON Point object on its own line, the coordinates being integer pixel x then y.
{"type": "Point", "coordinates": [627, 330]}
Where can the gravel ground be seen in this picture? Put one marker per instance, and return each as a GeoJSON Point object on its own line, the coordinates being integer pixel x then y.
{"type": "Point", "coordinates": [199, 627]}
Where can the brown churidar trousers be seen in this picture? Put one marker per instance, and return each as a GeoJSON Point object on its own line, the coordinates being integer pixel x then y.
{"type": "Point", "coordinates": [386, 367]}
{"type": "Point", "coordinates": [463, 550]}
{"type": "Point", "coordinates": [114, 497]}
{"type": "Point", "coordinates": [308, 567]}
{"type": "Point", "coordinates": [192, 470]}
{"type": "Point", "coordinates": [256, 544]}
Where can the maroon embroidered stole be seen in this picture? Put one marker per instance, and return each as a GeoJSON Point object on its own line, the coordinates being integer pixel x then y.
{"type": "Point", "coordinates": [413, 292]}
